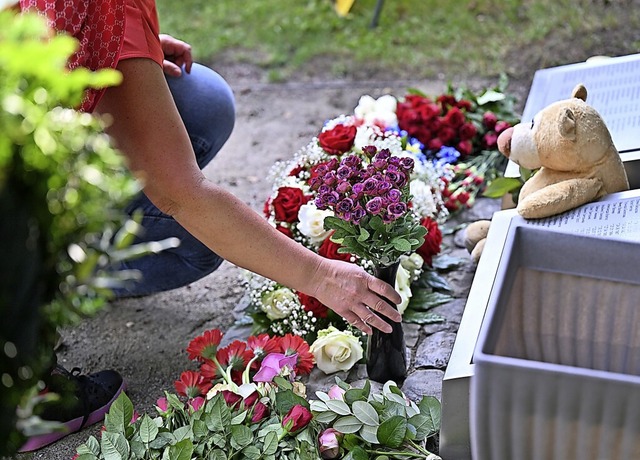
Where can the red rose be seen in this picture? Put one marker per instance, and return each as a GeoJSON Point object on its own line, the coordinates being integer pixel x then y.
{"type": "Point", "coordinates": [287, 203]}
{"type": "Point", "coordinates": [490, 140]}
{"type": "Point", "coordinates": [489, 120]}
{"type": "Point", "coordinates": [231, 398]}
{"type": "Point", "coordinates": [329, 249]}
{"type": "Point", "coordinates": [295, 171]}
{"type": "Point", "coordinates": [432, 241]}
{"type": "Point", "coordinates": [502, 125]}
{"type": "Point", "coordinates": [313, 305]}
{"type": "Point", "coordinates": [465, 147]}
{"type": "Point", "coordinates": [454, 117]}
{"type": "Point", "coordinates": [467, 131]}
{"type": "Point", "coordinates": [296, 419]}
{"type": "Point", "coordinates": [260, 412]}
{"type": "Point", "coordinates": [446, 134]}
{"type": "Point", "coordinates": [338, 140]}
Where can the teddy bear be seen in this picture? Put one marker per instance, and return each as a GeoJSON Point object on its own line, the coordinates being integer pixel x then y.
{"type": "Point", "coordinates": [569, 146]}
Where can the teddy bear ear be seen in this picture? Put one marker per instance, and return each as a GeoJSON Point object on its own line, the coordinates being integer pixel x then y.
{"type": "Point", "coordinates": [568, 124]}
{"type": "Point", "coordinates": [580, 91]}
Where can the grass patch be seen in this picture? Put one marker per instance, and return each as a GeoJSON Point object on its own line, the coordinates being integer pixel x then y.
{"type": "Point", "coordinates": [417, 38]}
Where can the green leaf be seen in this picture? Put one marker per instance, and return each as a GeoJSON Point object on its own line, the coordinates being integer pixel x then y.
{"type": "Point", "coordinates": [421, 317]}
{"type": "Point", "coordinates": [217, 454]}
{"type": "Point", "coordinates": [252, 453]}
{"type": "Point", "coordinates": [501, 186]}
{"type": "Point", "coordinates": [270, 443]}
{"type": "Point", "coordinates": [338, 406]}
{"type": "Point", "coordinates": [430, 407]}
{"type": "Point", "coordinates": [348, 424]}
{"type": "Point", "coordinates": [182, 433]}
{"type": "Point", "coordinates": [241, 436]}
{"type": "Point", "coordinates": [446, 262]}
{"type": "Point", "coordinates": [120, 414]}
{"type": "Point", "coordinates": [431, 279]}
{"type": "Point", "coordinates": [365, 412]}
{"type": "Point", "coordinates": [148, 429]}
{"type": "Point", "coordinates": [285, 400]}
{"type": "Point", "coordinates": [364, 235]}
{"type": "Point", "coordinates": [490, 95]}
{"type": "Point", "coordinates": [239, 418]}
{"type": "Point", "coordinates": [220, 416]}
{"type": "Point", "coordinates": [325, 417]}
{"type": "Point", "coordinates": [86, 456]}
{"type": "Point", "coordinates": [369, 434]}
{"type": "Point", "coordinates": [200, 429]}
{"type": "Point", "coordinates": [401, 244]}
{"type": "Point", "coordinates": [423, 300]}
{"type": "Point", "coordinates": [355, 394]}
{"type": "Point", "coordinates": [91, 446]}
{"type": "Point", "coordinates": [181, 451]}
{"type": "Point", "coordinates": [357, 453]}
{"type": "Point", "coordinates": [114, 446]}
{"type": "Point", "coordinates": [138, 449]}
{"type": "Point", "coordinates": [392, 432]}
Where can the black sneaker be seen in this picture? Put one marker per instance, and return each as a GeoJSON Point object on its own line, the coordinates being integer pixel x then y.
{"type": "Point", "coordinates": [85, 399]}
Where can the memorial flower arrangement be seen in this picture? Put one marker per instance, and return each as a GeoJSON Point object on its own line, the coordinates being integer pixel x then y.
{"type": "Point", "coordinates": [369, 188]}
{"type": "Point", "coordinates": [247, 401]}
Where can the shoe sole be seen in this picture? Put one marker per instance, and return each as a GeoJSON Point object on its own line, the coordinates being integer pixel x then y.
{"type": "Point", "coordinates": [70, 427]}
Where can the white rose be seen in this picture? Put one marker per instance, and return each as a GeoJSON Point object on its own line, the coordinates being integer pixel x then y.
{"type": "Point", "coordinates": [403, 286]}
{"type": "Point", "coordinates": [336, 350]}
{"type": "Point", "coordinates": [277, 304]}
{"type": "Point", "coordinates": [311, 222]}
{"type": "Point", "coordinates": [366, 105]}
{"type": "Point", "coordinates": [377, 111]}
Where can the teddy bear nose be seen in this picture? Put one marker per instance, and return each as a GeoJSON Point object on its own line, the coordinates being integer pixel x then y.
{"type": "Point", "coordinates": [504, 141]}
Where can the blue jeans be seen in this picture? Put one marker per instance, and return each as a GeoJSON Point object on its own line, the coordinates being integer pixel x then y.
{"type": "Point", "coordinates": [207, 107]}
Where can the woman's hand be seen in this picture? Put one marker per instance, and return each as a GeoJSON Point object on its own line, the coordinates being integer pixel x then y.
{"type": "Point", "coordinates": [176, 54]}
{"type": "Point", "coordinates": [356, 295]}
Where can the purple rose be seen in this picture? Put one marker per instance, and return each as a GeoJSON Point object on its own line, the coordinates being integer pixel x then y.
{"type": "Point", "coordinates": [397, 209]}
{"type": "Point", "coordinates": [407, 164]}
{"type": "Point", "coordinates": [369, 150]}
{"type": "Point", "coordinates": [344, 172]}
{"type": "Point", "coordinates": [330, 178]}
{"type": "Point", "coordinates": [370, 186]}
{"type": "Point", "coordinates": [343, 187]}
{"type": "Point", "coordinates": [358, 189]}
{"type": "Point", "coordinates": [375, 205]}
{"type": "Point", "coordinates": [352, 161]}
{"type": "Point", "coordinates": [383, 187]}
{"type": "Point", "coordinates": [394, 195]}
{"type": "Point", "coordinates": [345, 205]}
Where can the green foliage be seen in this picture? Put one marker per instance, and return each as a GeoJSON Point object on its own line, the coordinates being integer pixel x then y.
{"type": "Point", "coordinates": [62, 191]}
{"type": "Point", "coordinates": [373, 240]}
{"type": "Point", "coordinates": [380, 424]}
{"type": "Point", "coordinates": [214, 431]}
{"type": "Point", "coordinates": [414, 38]}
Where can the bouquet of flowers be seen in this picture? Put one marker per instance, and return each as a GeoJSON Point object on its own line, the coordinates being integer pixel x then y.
{"type": "Point", "coordinates": [377, 186]}
{"type": "Point", "coordinates": [246, 401]}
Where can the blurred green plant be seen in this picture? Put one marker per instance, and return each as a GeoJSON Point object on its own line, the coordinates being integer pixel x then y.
{"type": "Point", "coordinates": [62, 191]}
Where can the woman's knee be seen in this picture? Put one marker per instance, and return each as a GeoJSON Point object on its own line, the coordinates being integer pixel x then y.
{"type": "Point", "coordinates": [206, 103]}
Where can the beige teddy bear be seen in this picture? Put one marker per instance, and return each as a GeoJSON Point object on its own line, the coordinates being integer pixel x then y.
{"type": "Point", "coordinates": [570, 146]}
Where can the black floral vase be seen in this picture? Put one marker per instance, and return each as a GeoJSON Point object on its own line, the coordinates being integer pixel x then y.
{"type": "Point", "coordinates": [386, 352]}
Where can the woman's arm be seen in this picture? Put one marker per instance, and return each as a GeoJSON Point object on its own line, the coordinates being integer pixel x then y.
{"type": "Point", "coordinates": [148, 130]}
